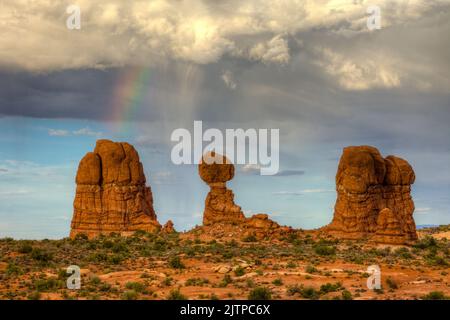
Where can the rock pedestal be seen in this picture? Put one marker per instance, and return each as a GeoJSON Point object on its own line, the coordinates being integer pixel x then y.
{"type": "Point", "coordinates": [221, 213]}
{"type": "Point", "coordinates": [219, 204]}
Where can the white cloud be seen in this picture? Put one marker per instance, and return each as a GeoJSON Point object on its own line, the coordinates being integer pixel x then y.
{"type": "Point", "coordinates": [117, 33]}
{"type": "Point", "coordinates": [252, 169]}
{"type": "Point", "coordinates": [228, 79]}
{"type": "Point", "coordinates": [317, 190]}
{"type": "Point", "coordinates": [287, 193]}
{"type": "Point", "coordinates": [301, 192]}
{"type": "Point", "coordinates": [162, 178]}
{"type": "Point", "coordinates": [58, 133]}
{"type": "Point", "coordinates": [423, 210]}
{"type": "Point", "coordinates": [16, 192]}
{"type": "Point", "coordinates": [80, 132]}
{"type": "Point", "coordinates": [87, 132]}
{"type": "Point", "coordinates": [29, 170]}
{"type": "Point", "coordinates": [275, 50]}
{"type": "Point", "coordinates": [358, 74]}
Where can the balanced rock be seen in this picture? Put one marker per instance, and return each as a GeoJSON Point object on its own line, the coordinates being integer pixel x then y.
{"type": "Point", "coordinates": [216, 170]}
{"type": "Point", "coordinates": [373, 197]}
{"type": "Point", "coordinates": [111, 195]}
{"type": "Point", "coordinates": [221, 213]}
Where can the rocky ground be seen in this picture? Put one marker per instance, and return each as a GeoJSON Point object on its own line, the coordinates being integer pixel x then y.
{"type": "Point", "coordinates": [196, 266]}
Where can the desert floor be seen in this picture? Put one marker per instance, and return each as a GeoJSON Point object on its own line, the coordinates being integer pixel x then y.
{"type": "Point", "coordinates": [193, 266]}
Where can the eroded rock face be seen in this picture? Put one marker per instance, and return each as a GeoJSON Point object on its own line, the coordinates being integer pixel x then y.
{"type": "Point", "coordinates": [168, 227]}
{"type": "Point", "coordinates": [219, 204]}
{"type": "Point", "coordinates": [221, 211]}
{"type": "Point", "coordinates": [111, 194]}
{"type": "Point", "coordinates": [373, 196]}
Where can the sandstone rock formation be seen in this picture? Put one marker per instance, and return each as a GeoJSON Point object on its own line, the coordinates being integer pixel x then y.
{"type": "Point", "coordinates": [220, 209]}
{"type": "Point", "coordinates": [168, 227]}
{"type": "Point", "coordinates": [373, 197]}
{"type": "Point", "coordinates": [111, 194]}
{"type": "Point", "coordinates": [219, 205]}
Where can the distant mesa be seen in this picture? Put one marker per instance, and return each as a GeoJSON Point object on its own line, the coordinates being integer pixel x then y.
{"type": "Point", "coordinates": [373, 197]}
{"type": "Point", "coordinates": [111, 194]}
{"type": "Point", "coordinates": [221, 212]}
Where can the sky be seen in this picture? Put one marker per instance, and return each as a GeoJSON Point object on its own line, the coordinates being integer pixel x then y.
{"type": "Point", "coordinates": [137, 70]}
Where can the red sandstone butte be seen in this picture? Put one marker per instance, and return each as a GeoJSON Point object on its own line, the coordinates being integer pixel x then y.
{"type": "Point", "coordinates": [373, 197]}
{"type": "Point", "coordinates": [111, 194]}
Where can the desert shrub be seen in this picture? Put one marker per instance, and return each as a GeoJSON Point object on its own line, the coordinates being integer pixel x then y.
{"type": "Point", "coordinates": [41, 255]}
{"type": "Point", "coordinates": [330, 287]}
{"type": "Point", "coordinates": [176, 263]}
{"type": "Point", "coordinates": [435, 260]}
{"type": "Point", "coordinates": [391, 283]}
{"type": "Point", "coordinates": [119, 247]}
{"type": "Point", "coordinates": [250, 238]}
{"type": "Point", "coordinates": [25, 248]}
{"type": "Point", "coordinates": [277, 282]}
{"type": "Point", "coordinates": [48, 284]}
{"type": "Point", "coordinates": [435, 295]}
{"type": "Point", "coordinates": [250, 283]}
{"type": "Point", "coordinates": [105, 287]}
{"type": "Point", "coordinates": [98, 257]}
{"type": "Point", "coordinates": [346, 295]}
{"type": "Point", "coordinates": [130, 295]}
{"type": "Point", "coordinates": [196, 282]}
{"type": "Point", "coordinates": [403, 253]}
{"type": "Point", "coordinates": [228, 254]}
{"type": "Point", "coordinates": [225, 281]}
{"type": "Point", "coordinates": [13, 269]}
{"type": "Point", "coordinates": [324, 250]}
{"type": "Point", "coordinates": [135, 286]}
{"type": "Point", "coordinates": [139, 233]}
{"type": "Point", "coordinates": [291, 265]}
{"type": "Point", "coordinates": [426, 243]}
{"type": "Point", "coordinates": [214, 297]}
{"type": "Point", "coordinates": [260, 293]}
{"type": "Point", "coordinates": [81, 237]}
{"type": "Point", "coordinates": [175, 294]}
{"type": "Point", "coordinates": [239, 271]}
{"type": "Point", "coordinates": [116, 258]}
{"type": "Point", "coordinates": [34, 296]}
{"type": "Point", "coordinates": [309, 293]}
{"type": "Point", "coordinates": [167, 281]}
{"type": "Point", "coordinates": [108, 244]}
{"type": "Point", "coordinates": [233, 243]}
{"type": "Point", "coordinates": [310, 269]}
{"type": "Point", "coordinates": [292, 238]}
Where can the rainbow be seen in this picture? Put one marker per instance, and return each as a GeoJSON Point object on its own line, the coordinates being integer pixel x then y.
{"type": "Point", "coordinates": [129, 92]}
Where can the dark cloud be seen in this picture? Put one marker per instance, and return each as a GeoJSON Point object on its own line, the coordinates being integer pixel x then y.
{"type": "Point", "coordinates": [68, 94]}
